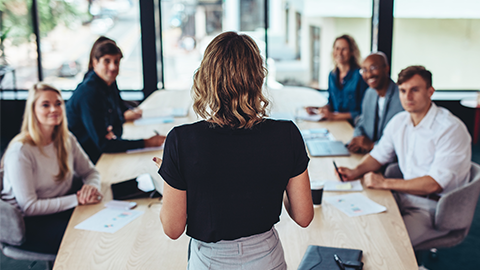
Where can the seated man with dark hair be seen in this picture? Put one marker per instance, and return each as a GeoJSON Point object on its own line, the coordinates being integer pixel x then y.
{"type": "Point", "coordinates": [433, 150]}
{"type": "Point", "coordinates": [94, 111]}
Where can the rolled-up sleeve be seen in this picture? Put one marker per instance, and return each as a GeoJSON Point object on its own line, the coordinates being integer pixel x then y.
{"type": "Point", "coordinates": [451, 164]}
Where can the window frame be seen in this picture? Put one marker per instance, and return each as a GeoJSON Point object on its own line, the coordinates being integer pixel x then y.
{"type": "Point", "coordinates": [151, 28]}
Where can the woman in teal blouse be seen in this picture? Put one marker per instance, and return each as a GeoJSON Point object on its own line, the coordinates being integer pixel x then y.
{"type": "Point", "coordinates": [345, 84]}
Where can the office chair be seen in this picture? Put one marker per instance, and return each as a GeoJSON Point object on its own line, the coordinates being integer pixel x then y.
{"type": "Point", "coordinates": [12, 234]}
{"type": "Point", "coordinates": [455, 212]}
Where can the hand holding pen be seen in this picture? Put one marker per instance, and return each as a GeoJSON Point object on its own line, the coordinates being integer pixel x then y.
{"type": "Point", "coordinates": [154, 141]}
{"type": "Point", "coordinates": [345, 174]}
{"type": "Point", "coordinates": [336, 169]}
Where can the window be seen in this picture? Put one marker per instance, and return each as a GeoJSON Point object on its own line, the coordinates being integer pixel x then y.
{"type": "Point", "coordinates": [445, 38]}
{"type": "Point", "coordinates": [251, 14]}
{"type": "Point", "coordinates": [18, 51]}
{"type": "Point", "coordinates": [312, 26]}
{"type": "Point", "coordinates": [189, 26]}
{"type": "Point", "coordinates": [68, 30]}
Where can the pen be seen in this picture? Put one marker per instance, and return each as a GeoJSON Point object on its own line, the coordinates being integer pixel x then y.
{"type": "Point", "coordinates": [336, 169]}
{"type": "Point", "coordinates": [156, 132]}
{"type": "Point", "coordinates": [338, 261]}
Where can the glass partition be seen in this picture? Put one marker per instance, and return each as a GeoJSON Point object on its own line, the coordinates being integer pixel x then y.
{"type": "Point", "coordinates": [301, 36]}
{"type": "Point", "coordinates": [445, 38]}
{"type": "Point", "coordinates": [189, 26]}
{"type": "Point", "coordinates": [18, 51]}
{"type": "Point", "coordinates": [68, 30]}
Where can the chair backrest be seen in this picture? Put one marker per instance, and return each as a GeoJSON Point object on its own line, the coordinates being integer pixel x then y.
{"type": "Point", "coordinates": [11, 222]}
{"type": "Point", "coordinates": [455, 210]}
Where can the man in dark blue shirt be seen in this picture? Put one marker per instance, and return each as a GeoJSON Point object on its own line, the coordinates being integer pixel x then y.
{"type": "Point", "coordinates": [94, 111]}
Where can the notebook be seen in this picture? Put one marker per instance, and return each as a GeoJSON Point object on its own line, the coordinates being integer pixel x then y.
{"type": "Point", "coordinates": [326, 148]}
{"type": "Point", "coordinates": [142, 186]}
{"type": "Point", "coordinates": [321, 258]}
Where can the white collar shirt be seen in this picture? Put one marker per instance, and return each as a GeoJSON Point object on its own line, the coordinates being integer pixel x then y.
{"type": "Point", "coordinates": [439, 147]}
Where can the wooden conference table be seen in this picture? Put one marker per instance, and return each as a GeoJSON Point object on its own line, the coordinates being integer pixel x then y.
{"type": "Point", "coordinates": [142, 244]}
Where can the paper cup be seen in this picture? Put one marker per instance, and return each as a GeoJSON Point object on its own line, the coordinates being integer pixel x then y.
{"type": "Point", "coordinates": [317, 191]}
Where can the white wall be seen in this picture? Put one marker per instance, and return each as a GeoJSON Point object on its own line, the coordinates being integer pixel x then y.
{"type": "Point", "coordinates": [449, 48]}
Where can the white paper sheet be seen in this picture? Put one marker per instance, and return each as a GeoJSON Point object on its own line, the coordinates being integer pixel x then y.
{"type": "Point", "coordinates": [153, 120]}
{"type": "Point", "coordinates": [164, 112]}
{"type": "Point", "coordinates": [355, 185]}
{"type": "Point", "coordinates": [179, 112]}
{"type": "Point", "coordinates": [145, 182]}
{"type": "Point", "coordinates": [317, 134]}
{"type": "Point", "coordinates": [120, 205]}
{"type": "Point", "coordinates": [109, 220]}
{"type": "Point", "coordinates": [355, 204]}
{"type": "Point", "coordinates": [303, 115]}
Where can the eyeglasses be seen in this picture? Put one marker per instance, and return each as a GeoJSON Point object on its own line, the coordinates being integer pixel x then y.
{"type": "Point", "coordinates": [371, 69]}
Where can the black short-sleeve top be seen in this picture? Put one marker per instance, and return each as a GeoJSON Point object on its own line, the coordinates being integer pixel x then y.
{"type": "Point", "coordinates": [234, 178]}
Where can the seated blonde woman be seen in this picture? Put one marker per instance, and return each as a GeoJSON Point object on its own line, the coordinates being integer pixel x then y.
{"type": "Point", "coordinates": [228, 174]}
{"type": "Point", "coordinates": [39, 167]}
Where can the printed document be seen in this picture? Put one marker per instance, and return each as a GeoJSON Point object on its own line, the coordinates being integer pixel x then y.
{"type": "Point", "coordinates": [109, 220]}
{"type": "Point", "coordinates": [355, 204]}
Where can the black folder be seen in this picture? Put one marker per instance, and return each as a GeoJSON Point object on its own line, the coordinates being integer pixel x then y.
{"type": "Point", "coordinates": [128, 189]}
{"type": "Point", "coordinates": [320, 258]}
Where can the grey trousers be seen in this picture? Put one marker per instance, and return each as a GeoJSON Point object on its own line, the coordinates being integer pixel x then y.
{"type": "Point", "coordinates": [419, 217]}
{"type": "Point", "coordinates": [262, 251]}
{"type": "Point", "coordinates": [418, 213]}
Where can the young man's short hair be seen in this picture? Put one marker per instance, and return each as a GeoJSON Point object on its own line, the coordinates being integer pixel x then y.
{"type": "Point", "coordinates": [407, 73]}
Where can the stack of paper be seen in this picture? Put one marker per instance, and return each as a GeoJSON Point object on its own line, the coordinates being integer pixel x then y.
{"type": "Point", "coordinates": [153, 120]}
{"type": "Point", "coordinates": [317, 134]}
{"type": "Point", "coordinates": [160, 116]}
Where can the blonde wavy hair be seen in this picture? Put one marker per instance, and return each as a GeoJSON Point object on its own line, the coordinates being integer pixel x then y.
{"type": "Point", "coordinates": [227, 88]}
{"type": "Point", "coordinates": [30, 132]}
{"type": "Point", "coordinates": [355, 58]}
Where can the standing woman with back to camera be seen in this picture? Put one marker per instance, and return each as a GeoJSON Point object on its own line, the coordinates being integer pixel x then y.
{"type": "Point", "coordinates": [227, 176]}
{"type": "Point", "coordinates": [40, 164]}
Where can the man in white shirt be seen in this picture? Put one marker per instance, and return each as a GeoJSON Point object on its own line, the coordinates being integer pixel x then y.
{"type": "Point", "coordinates": [433, 150]}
